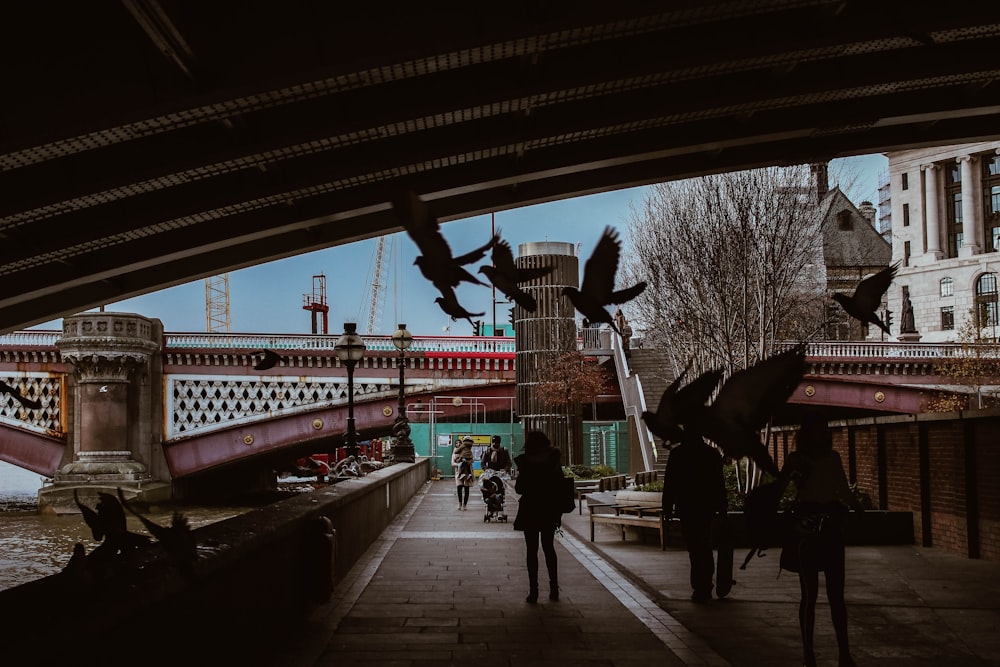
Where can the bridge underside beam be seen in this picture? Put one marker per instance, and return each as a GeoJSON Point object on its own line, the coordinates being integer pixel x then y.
{"type": "Point", "coordinates": [900, 399]}
{"type": "Point", "coordinates": [312, 430]}
{"type": "Point", "coordinates": [33, 451]}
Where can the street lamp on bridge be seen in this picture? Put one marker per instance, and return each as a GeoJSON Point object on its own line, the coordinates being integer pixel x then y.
{"type": "Point", "coordinates": [350, 348]}
{"type": "Point", "coordinates": [402, 448]}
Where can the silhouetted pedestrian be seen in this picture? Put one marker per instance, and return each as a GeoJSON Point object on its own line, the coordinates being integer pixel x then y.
{"type": "Point", "coordinates": [539, 475]}
{"type": "Point", "coordinates": [464, 475]}
{"type": "Point", "coordinates": [821, 502]}
{"type": "Point", "coordinates": [694, 484]}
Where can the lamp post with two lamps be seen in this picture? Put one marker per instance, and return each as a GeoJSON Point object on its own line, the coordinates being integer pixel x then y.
{"type": "Point", "coordinates": [350, 348]}
{"type": "Point", "coordinates": [402, 448]}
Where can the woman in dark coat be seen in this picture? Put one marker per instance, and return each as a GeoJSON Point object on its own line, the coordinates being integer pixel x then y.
{"type": "Point", "coordinates": [539, 471]}
{"type": "Point", "coordinates": [822, 499]}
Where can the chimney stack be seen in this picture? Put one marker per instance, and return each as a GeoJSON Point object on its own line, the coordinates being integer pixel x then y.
{"type": "Point", "coordinates": [820, 180]}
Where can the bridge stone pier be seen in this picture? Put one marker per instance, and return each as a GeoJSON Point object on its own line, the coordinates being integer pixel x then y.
{"type": "Point", "coordinates": [115, 400]}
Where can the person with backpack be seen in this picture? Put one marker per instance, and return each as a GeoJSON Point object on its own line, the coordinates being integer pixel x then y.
{"type": "Point", "coordinates": [464, 475]}
{"type": "Point", "coordinates": [822, 499]}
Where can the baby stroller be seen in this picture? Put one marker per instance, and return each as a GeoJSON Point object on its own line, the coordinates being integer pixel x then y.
{"type": "Point", "coordinates": [494, 489]}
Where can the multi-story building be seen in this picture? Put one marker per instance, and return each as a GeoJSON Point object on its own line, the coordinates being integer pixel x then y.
{"type": "Point", "coordinates": [946, 238]}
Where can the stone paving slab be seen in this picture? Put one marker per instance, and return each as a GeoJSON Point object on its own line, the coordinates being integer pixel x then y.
{"type": "Point", "coordinates": [443, 587]}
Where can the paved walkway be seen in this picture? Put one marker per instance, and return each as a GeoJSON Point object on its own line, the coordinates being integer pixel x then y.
{"type": "Point", "coordinates": [442, 587]}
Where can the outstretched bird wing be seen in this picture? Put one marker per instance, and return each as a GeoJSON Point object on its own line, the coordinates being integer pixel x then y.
{"type": "Point", "coordinates": [869, 292]}
{"type": "Point", "coordinates": [751, 396]}
{"type": "Point", "coordinates": [269, 360]}
{"type": "Point", "coordinates": [177, 539]}
{"type": "Point", "coordinates": [601, 267]}
{"type": "Point", "coordinates": [91, 518]}
{"type": "Point", "coordinates": [679, 404]}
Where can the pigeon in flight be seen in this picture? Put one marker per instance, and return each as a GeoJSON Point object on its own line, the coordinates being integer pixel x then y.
{"type": "Point", "coordinates": [435, 262]}
{"type": "Point", "coordinates": [177, 538]}
{"type": "Point", "coordinates": [450, 305]}
{"type": "Point", "coordinates": [505, 275]}
{"type": "Point", "coordinates": [269, 360]}
{"type": "Point", "coordinates": [108, 525]}
{"type": "Point", "coordinates": [678, 403]}
{"type": "Point", "coordinates": [867, 296]}
{"type": "Point", "coordinates": [15, 393]}
{"type": "Point", "coordinates": [746, 402]}
{"type": "Point", "coordinates": [598, 287]}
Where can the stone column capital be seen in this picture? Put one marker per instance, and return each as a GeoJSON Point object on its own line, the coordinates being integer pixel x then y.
{"type": "Point", "coordinates": [107, 347]}
{"type": "Point", "coordinates": [965, 158]}
{"type": "Point", "coordinates": [930, 167]}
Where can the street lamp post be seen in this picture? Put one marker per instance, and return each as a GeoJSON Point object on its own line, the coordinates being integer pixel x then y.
{"type": "Point", "coordinates": [350, 348]}
{"type": "Point", "coordinates": [402, 448]}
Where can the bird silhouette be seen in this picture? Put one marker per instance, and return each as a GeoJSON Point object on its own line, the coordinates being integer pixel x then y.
{"type": "Point", "coordinates": [745, 403]}
{"type": "Point", "coordinates": [506, 277]}
{"type": "Point", "coordinates": [867, 296]}
{"type": "Point", "coordinates": [598, 287]}
{"type": "Point", "coordinates": [450, 305]}
{"type": "Point", "coordinates": [177, 539]}
{"type": "Point", "coordinates": [16, 394]}
{"type": "Point", "coordinates": [436, 261]}
{"type": "Point", "coordinates": [269, 360]}
{"type": "Point", "coordinates": [678, 403]}
{"type": "Point", "coordinates": [108, 525]}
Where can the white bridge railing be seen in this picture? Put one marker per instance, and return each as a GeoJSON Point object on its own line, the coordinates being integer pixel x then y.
{"type": "Point", "coordinates": [499, 344]}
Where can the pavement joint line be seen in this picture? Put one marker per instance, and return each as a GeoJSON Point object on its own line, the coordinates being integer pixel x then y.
{"type": "Point", "coordinates": [659, 622]}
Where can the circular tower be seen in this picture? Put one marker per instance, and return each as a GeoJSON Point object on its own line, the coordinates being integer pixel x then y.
{"type": "Point", "coordinates": [541, 337]}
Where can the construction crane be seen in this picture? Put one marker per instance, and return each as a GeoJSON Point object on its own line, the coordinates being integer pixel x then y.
{"type": "Point", "coordinates": [316, 303]}
{"type": "Point", "coordinates": [378, 280]}
{"type": "Point", "coordinates": [217, 304]}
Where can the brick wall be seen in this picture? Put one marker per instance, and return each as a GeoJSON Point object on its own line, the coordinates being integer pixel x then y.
{"type": "Point", "coordinates": [945, 469]}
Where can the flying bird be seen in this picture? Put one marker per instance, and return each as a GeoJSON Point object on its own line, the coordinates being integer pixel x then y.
{"type": "Point", "coordinates": [450, 305]}
{"type": "Point", "coordinates": [598, 287]}
{"type": "Point", "coordinates": [436, 261]}
{"type": "Point", "coordinates": [269, 360]}
{"type": "Point", "coordinates": [177, 539]}
{"type": "Point", "coordinates": [867, 296]}
{"type": "Point", "coordinates": [506, 277]}
{"type": "Point", "coordinates": [678, 403]}
{"type": "Point", "coordinates": [16, 394]}
{"type": "Point", "coordinates": [108, 525]}
{"type": "Point", "coordinates": [746, 402]}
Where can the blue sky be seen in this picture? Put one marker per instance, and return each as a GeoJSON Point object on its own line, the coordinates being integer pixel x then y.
{"type": "Point", "coordinates": [268, 298]}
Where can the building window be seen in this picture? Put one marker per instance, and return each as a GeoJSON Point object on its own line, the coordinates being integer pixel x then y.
{"type": "Point", "coordinates": [947, 318]}
{"type": "Point", "coordinates": [906, 253]}
{"type": "Point", "coordinates": [986, 300]}
{"type": "Point", "coordinates": [953, 195]}
{"type": "Point", "coordinates": [947, 287]}
{"type": "Point", "coordinates": [904, 180]}
{"type": "Point", "coordinates": [991, 203]}
{"type": "Point", "coordinates": [906, 215]}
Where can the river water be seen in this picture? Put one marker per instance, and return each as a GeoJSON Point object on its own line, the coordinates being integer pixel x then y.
{"type": "Point", "coordinates": [34, 545]}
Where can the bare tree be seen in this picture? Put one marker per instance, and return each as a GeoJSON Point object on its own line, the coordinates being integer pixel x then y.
{"type": "Point", "coordinates": [734, 264]}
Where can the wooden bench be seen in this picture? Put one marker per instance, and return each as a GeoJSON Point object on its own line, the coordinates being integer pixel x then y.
{"type": "Point", "coordinates": [645, 477]}
{"type": "Point", "coordinates": [613, 483]}
{"type": "Point", "coordinates": [582, 487]}
{"type": "Point", "coordinates": [630, 508]}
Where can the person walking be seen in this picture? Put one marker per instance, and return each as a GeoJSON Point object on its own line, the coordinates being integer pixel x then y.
{"type": "Point", "coordinates": [694, 486]}
{"type": "Point", "coordinates": [822, 499]}
{"type": "Point", "coordinates": [539, 471]}
{"type": "Point", "coordinates": [461, 460]}
{"type": "Point", "coordinates": [496, 457]}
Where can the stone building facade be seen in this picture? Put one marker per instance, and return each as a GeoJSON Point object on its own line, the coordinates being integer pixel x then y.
{"type": "Point", "coordinates": [946, 237]}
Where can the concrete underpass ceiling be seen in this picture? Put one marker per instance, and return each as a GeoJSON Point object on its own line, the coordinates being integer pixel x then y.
{"type": "Point", "coordinates": [147, 143]}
